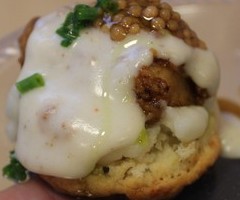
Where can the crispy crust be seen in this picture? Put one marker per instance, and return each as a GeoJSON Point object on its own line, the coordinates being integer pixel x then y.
{"type": "Point", "coordinates": [160, 82]}
{"type": "Point", "coordinates": [162, 180]}
{"type": "Point", "coordinates": [24, 38]}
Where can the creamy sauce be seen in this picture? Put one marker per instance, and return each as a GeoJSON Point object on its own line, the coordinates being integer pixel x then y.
{"type": "Point", "coordinates": [87, 108]}
{"type": "Point", "coordinates": [203, 69]}
{"type": "Point", "coordinates": [230, 129]}
{"type": "Point", "coordinates": [187, 123]}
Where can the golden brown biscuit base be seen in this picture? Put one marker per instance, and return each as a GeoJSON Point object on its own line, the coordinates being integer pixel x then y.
{"type": "Point", "coordinates": [163, 179]}
{"type": "Point", "coordinates": [23, 39]}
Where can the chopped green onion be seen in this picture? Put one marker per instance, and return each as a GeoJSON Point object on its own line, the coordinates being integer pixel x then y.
{"type": "Point", "coordinates": [143, 137]}
{"type": "Point", "coordinates": [76, 21]}
{"type": "Point", "coordinates": [15, 171]}
{"type": "Point", "coordinates": [30, 83]}
{"type": "Point", "coordinates": [108, 5]}
{"type": "Point", "coordinates": [81, 17]}
{"type": "Point", "coordinates": [68, 31]}
{"type": "Point", "coordinates": [84, 12]}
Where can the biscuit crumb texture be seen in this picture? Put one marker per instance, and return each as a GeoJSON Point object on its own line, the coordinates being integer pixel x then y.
{"type": "Point", "coordinates": [160, 174]}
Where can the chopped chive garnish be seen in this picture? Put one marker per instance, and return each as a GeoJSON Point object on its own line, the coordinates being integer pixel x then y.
{"type": "Point", "coordinates": [30, 83]}
{"type": "Point", "coordinates": [108, 5]}
{"type": "Point", "coordinates": [81, 17]}
{"type": "Point", "coordinates": [84, 12]}
{"type": "Point", "coordinates": [15, 171]}
{"type": "Point", "coordinates": [143, 137]}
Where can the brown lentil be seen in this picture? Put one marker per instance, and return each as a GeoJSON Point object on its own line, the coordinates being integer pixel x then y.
{"type": "Point", "coordinates": [122, 4]}
{"type": "Point", "coordinates": [194, 42]}
{"type": "Point", "coordinates": [131, 3]}
{"type": "Point", "coordinates": [188, 41]}
{"type": "Point", "coordinates": [127, 22]}
{"type": "Point", "coordinates": [166, 6]}
{"type": "Point", "coordinates": [134, 29]}
{"type": "Point", "coordinates": [117, 33]}
{"type": "Point", "coordinates": [158, 23]}
{"type": "Point", "coordinates": [194, 35]}
{"type": "Point", "coordinates": [176, 16]}
{"type": "Point", "coordinates": [135, 10]}
{"type": "Point", "coordinates": [187, 33]}
{"type": "Point", "coordinates": [165, 14]}
{"type": "Point", "coordinates": [172, 25]}
{"type": "Point", "coordinates": [118, 17]}
{"type": "Point", "coordinates": [150, 12]}
{"type": "Point", "coordinates": [179, 34]}
{"type": "Point", "coordinates": [149, 15]}
{"type": "Point", "coordinates": [154, 2]}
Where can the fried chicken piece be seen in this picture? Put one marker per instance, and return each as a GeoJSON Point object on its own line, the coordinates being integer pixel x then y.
{"type": "Point", "coordinates": [162, 83]}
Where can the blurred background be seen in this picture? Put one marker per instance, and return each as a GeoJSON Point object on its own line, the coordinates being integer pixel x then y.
{"type": "Point", "coordinates": [14, 14]}
{"type": "Point", "coordinates": [215, 21]}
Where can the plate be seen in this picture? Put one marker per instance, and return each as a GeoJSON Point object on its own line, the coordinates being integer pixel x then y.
{"type": "Point", "coordinates": [217, 24]}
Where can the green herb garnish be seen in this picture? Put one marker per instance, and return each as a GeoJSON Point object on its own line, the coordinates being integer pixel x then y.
{"type": "Point", "coordinates": [30, 83]}
{"type": "Point", "coordinates": [143, 137]}
{"type": "Point", "coordinates": [81, 17]}
{"type": "Point", "coordinates": [109, 6]}
{"type": "Point", "coordinates": [15, 171]}
{"type": "Point", "coordinates": [84, 12]}
{"type": "Point", "coordinates": [75, 22]}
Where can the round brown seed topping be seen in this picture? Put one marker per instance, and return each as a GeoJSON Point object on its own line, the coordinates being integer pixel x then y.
{"type": "Point", "coordinates": [176, 16]}
{"type": "Point", "coordinates": [187, 33]}
{"type": "Point", "coordinates": [118, 17]}
{"type": "Point", "coordinates": [127, 22]}
{"type": "Point", "coordinates": [135, 10]}
{"type": "Point", "coordinates": [134, 29]}
{"type": "Point", "coordinates": [150, 12]}
{"type": "Point", "coordinates": [165, 14]}
{"type": "Point", "coordinates": [122, 4]}
{"type": "Point", "coordinates": [117, 33]}
{"type": "Point", "coordinates": [158, 23]}
{"type": "Point", "coordinates": [149, 15]}
{"type": "Point", "coordinates": [172, 25]}
{"type": "Point", "coordinates": [166, 6]}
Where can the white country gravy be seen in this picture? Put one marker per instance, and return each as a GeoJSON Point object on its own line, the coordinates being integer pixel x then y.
{"type": "Point", "coordinates": [87, 108]}
{"type": "Point", "coordinates": [230, 129]}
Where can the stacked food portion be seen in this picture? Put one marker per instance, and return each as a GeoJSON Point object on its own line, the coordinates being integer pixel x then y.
{"type": "Point", "coordinates": [115, 97]}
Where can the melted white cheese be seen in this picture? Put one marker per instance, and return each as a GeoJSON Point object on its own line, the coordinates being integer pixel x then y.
{"type": "Point", "coordinates": [230, 135]}
{"type": "Point", "coordinates": [203, 69]}
{"type": "Point", "coordinates": [87, 108]}
{"type": "Point", "coordinates": [187, 123]}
